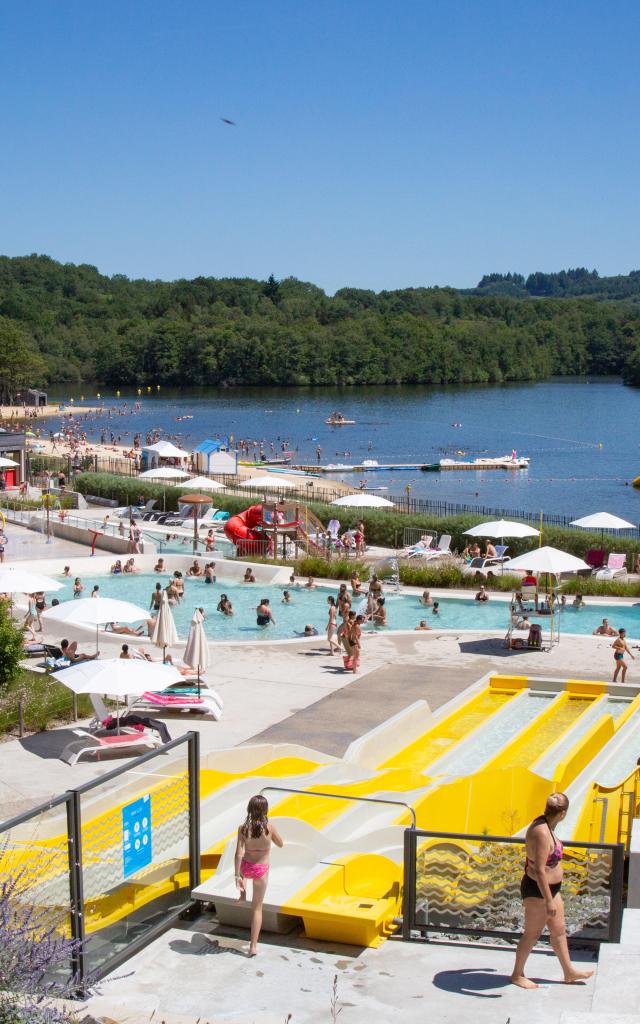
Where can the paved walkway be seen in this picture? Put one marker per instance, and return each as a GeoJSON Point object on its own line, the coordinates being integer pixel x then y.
{"type": "Point", "coordinates": [212, 979]}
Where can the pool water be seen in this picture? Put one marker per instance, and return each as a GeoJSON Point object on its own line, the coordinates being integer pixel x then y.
{"type": "Point", "coordinates": [310, 606]}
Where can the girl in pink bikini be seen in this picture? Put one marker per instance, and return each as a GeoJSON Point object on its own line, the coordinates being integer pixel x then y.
{"type": "Point", "coordinates": [255, 837]}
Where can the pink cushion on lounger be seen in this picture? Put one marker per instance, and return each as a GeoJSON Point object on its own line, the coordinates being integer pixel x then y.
{"type": "Point", "coordinates": [112, 741]}
{"type": "Point", "coordinates": [166, 700]}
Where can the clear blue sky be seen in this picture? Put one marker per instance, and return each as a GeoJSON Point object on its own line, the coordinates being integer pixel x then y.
{"type": "Point", "coordinates": [378, 144]}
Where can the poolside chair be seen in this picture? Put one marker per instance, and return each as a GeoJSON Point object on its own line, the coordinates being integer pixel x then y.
{"type": "Point", "coordinates": [96, 747]}
{"type": "Point", "coordinates": [616, 566]}
{"type": "Point", "coordinates": [529, 593]}
{"type": "Point", "coordinates": [501, 550]}
{"type": "Point", "coordinates": [595, 558]}
{"type": "Point", "coordinates": [444, 544]}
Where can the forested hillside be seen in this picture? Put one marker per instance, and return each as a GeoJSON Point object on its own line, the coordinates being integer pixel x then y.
{"type": "Point", "coordinates": [65, 323]}
{"type": "Point", "coordinates": [564, 284]}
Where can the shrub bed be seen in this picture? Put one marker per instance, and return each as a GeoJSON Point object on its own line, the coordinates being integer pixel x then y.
{"type": "Point", "coordinates": [44, 703]}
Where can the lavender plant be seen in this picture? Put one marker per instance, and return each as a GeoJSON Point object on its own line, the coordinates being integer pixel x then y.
{"type": "Point", "coordinates": [35, 957]}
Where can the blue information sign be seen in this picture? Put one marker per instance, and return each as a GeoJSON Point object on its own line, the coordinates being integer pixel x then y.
{"type": "Point", "coordinates": [136, 835]}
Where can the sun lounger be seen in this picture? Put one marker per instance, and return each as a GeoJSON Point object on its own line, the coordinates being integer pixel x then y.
{"type": "Point", "coordinates": [442, 550]}
{"type": "Point", "coordinates": [616, 566]}
{"type": "Point", "coordinates": [501, 550]}
{"type": "Point", "coordinates": [96, 747]}
{"type": "Point", "coordinates": [205, 704]}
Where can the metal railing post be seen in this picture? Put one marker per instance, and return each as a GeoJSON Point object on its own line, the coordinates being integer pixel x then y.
{"type": "Point", "coordinates": [617, 883]}
{"type": "Point", "coordinates": [76, 892]}
{"type": "Point", "coordinates": [409, 894]}
{"type": "Point", "coordinates": [193, 755]}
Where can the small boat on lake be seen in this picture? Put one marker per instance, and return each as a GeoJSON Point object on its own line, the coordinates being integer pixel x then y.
{"type": "Point", "coordinates": [336, 419]}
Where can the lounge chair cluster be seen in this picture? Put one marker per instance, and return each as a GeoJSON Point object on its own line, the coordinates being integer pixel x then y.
{"type": "Point", "coordinates": [99, 740]}
{"type": "Point", "coordinates": [154, 517]}
{"type": "Point", "coordinates": [428, 549]}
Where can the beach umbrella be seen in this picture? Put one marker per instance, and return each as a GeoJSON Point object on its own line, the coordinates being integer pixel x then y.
{"type": "Point", "coordinates": [262, 483]}
{"type": "Point", "coordinates": [547, 560]}
{"type": "Point", "coordinates": [362, 500]}
{"type": "Point", "coordinates": [603, 521]}
{"type": "Point", "coordinates": [15, 580]}
{"type": "Point", "coordinates": [202, 483]}
{"type": "Point", "coordinates": [163, 473]}
{"type": "Point", "coordinates": [118, 677]}
{"type": "Point", "coordinates": [7, 463]}
{"type": "Point", "coordinates": [164, 633]}
{"type": "Point", "coordinates": [95, 611]}
{"type": "Point", "coordinates": [502, 528]}
{"type": "Point", "coordinates": [196, 653]}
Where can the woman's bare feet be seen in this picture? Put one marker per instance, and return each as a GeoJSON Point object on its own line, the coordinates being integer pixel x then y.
{"type": "Point", "coordinates": [252, 952]}
{"type": "Point", "coordinates": [522, 982]}
{"type": "Point", "coordinates": [576, 976]}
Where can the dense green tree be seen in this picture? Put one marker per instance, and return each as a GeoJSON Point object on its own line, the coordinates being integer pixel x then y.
{"type": "Point", "coordinates": [70, 323]}
{"type": "Point", "coordinates": [21, 365]}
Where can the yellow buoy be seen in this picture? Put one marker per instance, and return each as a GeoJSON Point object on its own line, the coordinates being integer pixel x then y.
{"type": "Point", "coordinates": [636, 482]}
{"type": "Point", "coordinates": [599, 444]}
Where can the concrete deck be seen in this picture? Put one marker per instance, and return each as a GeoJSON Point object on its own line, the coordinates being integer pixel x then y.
{"type": "Point", "coordinates": [211, 978]}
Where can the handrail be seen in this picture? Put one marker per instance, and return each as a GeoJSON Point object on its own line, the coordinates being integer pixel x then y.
{"type": "Point", "coordinates": [339, 796]}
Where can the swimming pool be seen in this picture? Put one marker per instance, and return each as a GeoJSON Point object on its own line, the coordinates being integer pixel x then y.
{"type": "Point", "coordinates": [310, 606]}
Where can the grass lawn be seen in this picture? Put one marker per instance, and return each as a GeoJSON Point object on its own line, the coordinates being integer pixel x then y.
{"type": "Point", "coordinates": [45, 703]}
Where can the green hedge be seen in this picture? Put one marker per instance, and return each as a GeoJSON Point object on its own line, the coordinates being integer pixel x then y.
{"type": "Point", "coordinates": [382, 527]}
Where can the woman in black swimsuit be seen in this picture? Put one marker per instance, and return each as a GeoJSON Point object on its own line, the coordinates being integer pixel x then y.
{"type": "Point", "coordinates": [264, 615]}
{"type": "Point", "coordinates": [540, 889]}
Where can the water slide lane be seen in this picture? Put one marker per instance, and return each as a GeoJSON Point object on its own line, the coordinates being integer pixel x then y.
{"type": "Point", "coordinates": [449, 731]}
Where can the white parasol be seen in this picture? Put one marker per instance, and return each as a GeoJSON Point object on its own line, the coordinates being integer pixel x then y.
{"type": "Point", "coordinates": [362, 500]}
{"type": "Point", "coordinates": [164, 633]}
{"type": "Point", "coordinates": [95, 611]}
{"type": "Point", "coordinates": [196, 653]}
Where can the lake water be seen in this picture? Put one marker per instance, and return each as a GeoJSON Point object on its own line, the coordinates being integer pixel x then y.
{"type": "Point", "coordinates": [581, 436]}
{"type": "Point", "coordinates": [310, 606]}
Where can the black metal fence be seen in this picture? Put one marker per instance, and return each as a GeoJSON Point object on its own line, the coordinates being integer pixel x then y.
{"type": "Point", "coordinates": [320, 490]}
{"type": "Point", "coordinates": [111, 867]}
{"type": "Point", "coordinates": [469, 885]}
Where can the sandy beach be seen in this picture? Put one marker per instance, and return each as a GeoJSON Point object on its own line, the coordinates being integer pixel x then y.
{"type": "Point", "coordinates": [31, 414]}
{"type": "Point", "coordinates": [60, 447]}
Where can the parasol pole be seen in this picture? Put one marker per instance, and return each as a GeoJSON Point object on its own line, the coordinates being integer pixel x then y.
{"type": "Point", "coordinates": [540, 540]}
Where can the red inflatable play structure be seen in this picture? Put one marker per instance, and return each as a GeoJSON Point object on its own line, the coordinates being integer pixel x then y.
{"type": "Point", "coordinates": [254, 534]}
{"type": "Point", "coordinates": [245, 531]}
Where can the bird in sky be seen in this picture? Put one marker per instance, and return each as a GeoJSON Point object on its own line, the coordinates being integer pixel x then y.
{"type": "Point", "coordinates": [225, 120]}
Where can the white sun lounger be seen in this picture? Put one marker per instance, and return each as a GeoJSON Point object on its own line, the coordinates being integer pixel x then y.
{"type": "Point", "coordinates": [96, 747]}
